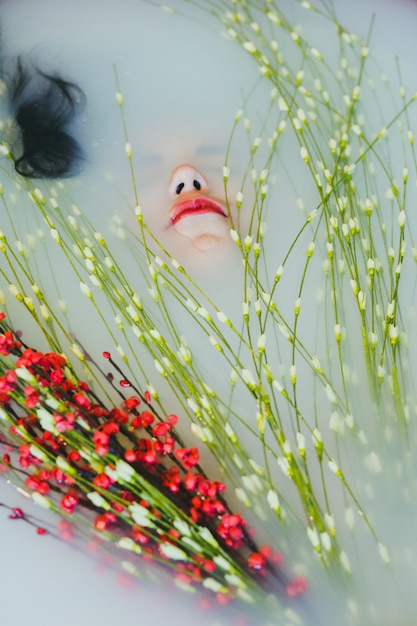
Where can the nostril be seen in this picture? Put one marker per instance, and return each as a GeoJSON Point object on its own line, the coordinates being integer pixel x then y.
{"type": "Point", "coordinates": [185, 178]}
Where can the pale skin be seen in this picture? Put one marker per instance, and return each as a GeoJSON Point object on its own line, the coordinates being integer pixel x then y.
{"type": "Point", "coordinates": [183, 198]}
{"type": "Point", "coordinates": [196, 214]}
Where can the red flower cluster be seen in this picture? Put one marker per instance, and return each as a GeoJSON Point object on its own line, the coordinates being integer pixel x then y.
{"type": "Point", "coordinates": [73, 453]}
{"type": "Point", "coordinates": [232, 530]}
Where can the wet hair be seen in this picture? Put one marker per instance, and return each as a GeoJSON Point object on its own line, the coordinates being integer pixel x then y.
{"type": "Point", "coordinates": [43, 107]}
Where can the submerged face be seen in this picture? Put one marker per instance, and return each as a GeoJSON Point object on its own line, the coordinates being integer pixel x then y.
{"type": "Point", "coordinates": [194, 214]}
{"type": "Point", "coordinates": [177, 116]}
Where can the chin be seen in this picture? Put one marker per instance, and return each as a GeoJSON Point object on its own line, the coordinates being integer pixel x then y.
{"type": "Point", "coordinates": [205, 231]}
{"type": "Point", "coordinates": [207, 242]}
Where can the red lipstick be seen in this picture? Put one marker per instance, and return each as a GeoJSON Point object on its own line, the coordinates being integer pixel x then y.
{"type": "Point", "coordinates": [195, 206]}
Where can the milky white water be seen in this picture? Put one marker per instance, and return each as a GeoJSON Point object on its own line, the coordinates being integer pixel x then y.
{"type": "Point", "coordinates": [182, 84]}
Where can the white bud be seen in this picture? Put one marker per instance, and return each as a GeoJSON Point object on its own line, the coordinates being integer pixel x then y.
{"type": "Point", "coordinates": [261, 343]}
{"type": "Point", "coordinates": [226, 173]}
{"type": "Point", "coordinates": [273, 500]}
{"type": "Point", "coordinates": [383, 552]}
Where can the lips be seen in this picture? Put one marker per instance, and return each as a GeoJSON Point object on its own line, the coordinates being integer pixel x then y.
{"type": "Point", "coordinates": [195, 206]}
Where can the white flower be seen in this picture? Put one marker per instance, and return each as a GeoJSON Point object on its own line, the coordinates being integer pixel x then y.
{"type": "Point", "coordinates": [273, 500]}
{"type": "Point", "coordinates": [344, 560]}
{"type": "Point", "coordinates": [249, 46]}
{"type": "Point", "coordinates": [159, 368]}
{"type": "Point", "coordinates": [329, 521]}
{"type": "Point", "coordinates": [331, 396]}
{"type": "Point", "coordinates": [129, 568]}
{"type": "Point", "coordinates": [279, 273]}
{"type": "Point", "coordinates": [394, 333]}
{"type": "Point", "coordinates": [140, 515]}
{"type": "Point", "coordinates": [373, 463]}
{"type": "Point", "coordinates": [383, 552]}
{"type": "Point", "coordinates": [221, 562]}
{"type": "Point", "coordinates": [278, 386]}
{"type": "Point", "coordinates": [173, 552]}
{"type": "Point", "coordinates": [222, 317]}
{"type": "Point", "coordinates": [64, 465]}
{"type": "Point", "coordinates": [126, 543]}
{"type": "Point", "coordinates": [301, 441]}
{"type": "Point", "coordinates": [206, 535]}
{"type": "Point", "coordinates": [235, 580]}
{"type": "Point", "coordinates": [252, 483]}
{"type": "Point", "coordinates": [283, 106]}
{"type": "Point", "coordinates": [314, 537]}
{"type": "Point", "coordinates": [213, 585]}
{"type": "Point", "coordinates": [204, 313]}
{"type": "Point", "coordinates": [98, 500]}
{"type": "Point", "coordinates": [273, 17]}
{"type": "Point", "coordinates": [230, 432]}
{"type": "Point", "coordinates": [261, 343]}
{"type": "Point", "coordinates": [44, 311]}
{"type": "Point", "coordinates": [25, 375]}
{"type": "Point", "coordinates": [124, 471]}
{"type": "Point", "coordinates": [248, 378]}
{"type": "Point", "coordinates": [41, 500]}
{"type": "Point", "coordinates": [315, 362]}
{"type": "Point", "coordinates": [55, 235]}
{"type": "Point", "coordinates": [336, 423]}
{"type": "Point", "coordinates": [37, 452]}
{"type": "Point", "coordinates": [235, 236]}
{"type": "Point", "coordinates": [198, 431]}
{"type": "Point", "coordinates": [284, 465]}
{"type": "Point", "coordinates": [350, 518]}
{"type": "Point", "coordinates": [326, 542]}
{"type": "Point", "coordinates": [241, 495]}
{"type": "Point", "coordinates": [182, 527]}
{"type": "Point", "coordinates": [193, 406]}
{"type": "Point", "coordinates": [315, 53]}
{"type": "Point", "coordinates": [333, 467]}
{"type": "Point", "coordinates": [194, 545]}
{"type": "Point", "coordinates": [46, 420]}
{"type": "Point", "coordinates": [85, 289]}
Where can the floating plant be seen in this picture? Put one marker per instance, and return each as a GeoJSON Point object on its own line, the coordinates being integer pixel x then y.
{"type": "Point", "coordinates": [318, 306]}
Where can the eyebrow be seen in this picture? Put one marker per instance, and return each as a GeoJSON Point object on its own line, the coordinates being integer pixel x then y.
{"type": "Point", "coordinates": [150, 159]}
{"type": "Point", "coordinates": [208, 149]}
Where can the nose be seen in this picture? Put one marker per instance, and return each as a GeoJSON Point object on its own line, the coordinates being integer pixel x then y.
{"type": "Point", "coordinates": [186, 178]}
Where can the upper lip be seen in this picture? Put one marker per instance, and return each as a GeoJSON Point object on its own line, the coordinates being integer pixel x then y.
{"type": "Point", "coordinates": [199, 204]}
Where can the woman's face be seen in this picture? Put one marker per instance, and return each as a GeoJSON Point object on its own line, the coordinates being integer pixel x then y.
{"type": "Point", "coordinates": [179, 104]}
{"type": "Point", "coordinates": [183, 198]}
